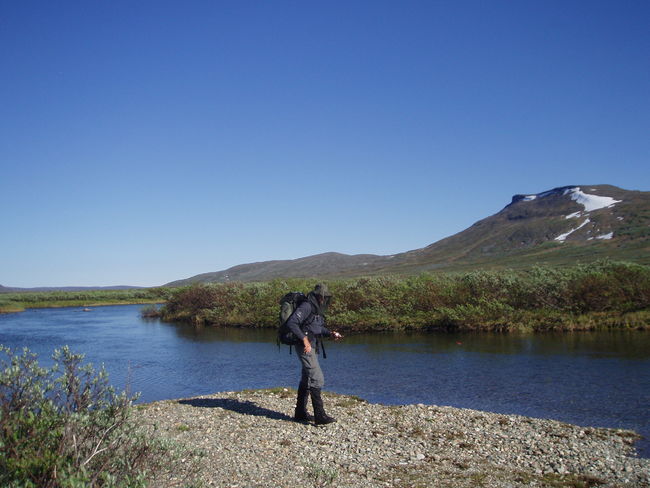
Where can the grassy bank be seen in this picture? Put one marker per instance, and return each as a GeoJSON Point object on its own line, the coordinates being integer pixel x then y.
{"type": "Point", "coordinates": [583, 297]}
{"type": "Point", "coordinates": [16, 302]}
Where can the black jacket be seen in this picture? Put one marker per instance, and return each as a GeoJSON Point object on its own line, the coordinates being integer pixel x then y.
{"type": "Point", "coordinates": [306, 321]}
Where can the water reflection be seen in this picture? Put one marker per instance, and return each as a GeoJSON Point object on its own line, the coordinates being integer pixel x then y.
{"type": "Point", "coordinates": [597, 344]}
{"type": "Point", "coordinates": [207, 334]}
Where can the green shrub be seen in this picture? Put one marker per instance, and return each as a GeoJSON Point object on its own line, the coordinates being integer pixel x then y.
{"type": "Point", "coordinates": [65, 426]}
{"type": "Point", "coordinates": [149, 311]}
{"type": "Point", "coordinates": [539, 298]}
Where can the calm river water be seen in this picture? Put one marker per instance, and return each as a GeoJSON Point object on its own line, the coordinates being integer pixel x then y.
{"type": "Point", "coordinates": [592, 379]}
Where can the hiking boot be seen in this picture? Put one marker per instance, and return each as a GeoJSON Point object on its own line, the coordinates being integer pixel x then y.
{"type": "Point", "coordinates": [303, 417]}
{"type": "Point", "coordinates": [320, 417]}
{"type": "Point", "coordinates": [324, 419]}
{"type": "Point", "coordinates": [300, 414]}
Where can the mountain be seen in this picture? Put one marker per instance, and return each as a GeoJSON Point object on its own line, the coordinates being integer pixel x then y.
{"type": "Point", "coordinates": [561, 226]}
{"type": "Point", "coordinates": [318, 265]}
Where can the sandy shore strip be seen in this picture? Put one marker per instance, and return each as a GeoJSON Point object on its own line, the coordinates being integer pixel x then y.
{"type": "Point", "coordinates": [247, 439]}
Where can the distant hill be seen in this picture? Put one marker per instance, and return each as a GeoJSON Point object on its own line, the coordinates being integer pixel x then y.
{"type": "Point", "coordinates": [7, 289]}
{"type": "Point", "coordinates": [326, 264]}
{"type": "Point", "coordinates": [561, 226]}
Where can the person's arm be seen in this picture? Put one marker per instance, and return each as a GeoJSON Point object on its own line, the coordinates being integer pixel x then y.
{"type": "Point", "coordinates": [325, 332]}
{"type": "Point", "coordinates": [296, 320]}
{"type": "Point", "coordinates": [331, 333]}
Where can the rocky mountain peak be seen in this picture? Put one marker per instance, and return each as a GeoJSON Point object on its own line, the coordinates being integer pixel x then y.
{"type": "Point", "coordinates": [559, 191]}
{"type": "Point", "coordinates": [589, 197]}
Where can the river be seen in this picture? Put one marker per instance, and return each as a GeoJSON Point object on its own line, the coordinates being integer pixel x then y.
{"type": "Point", "coordinates": [590, 378]}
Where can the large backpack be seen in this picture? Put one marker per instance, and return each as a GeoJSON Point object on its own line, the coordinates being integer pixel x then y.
{"type": "Point", "coordinates": [288, 304]}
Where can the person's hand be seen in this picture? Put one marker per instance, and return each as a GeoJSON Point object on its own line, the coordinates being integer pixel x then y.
{"type": "Point", "coordinates": [307, 345]}
{"type": "Point", "coordinates": [337, 335]}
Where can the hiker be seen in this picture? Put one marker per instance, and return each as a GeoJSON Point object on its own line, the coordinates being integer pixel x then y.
{"type": "Point", "coordinates": [307, 322]}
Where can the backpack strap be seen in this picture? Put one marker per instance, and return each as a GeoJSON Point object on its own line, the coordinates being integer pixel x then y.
{"type": "Point", "coordinates": [322, 345]}
{"type": "Point", "coordinates": [310, 318]}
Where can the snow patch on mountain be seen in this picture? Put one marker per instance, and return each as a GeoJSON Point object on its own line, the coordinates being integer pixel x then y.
{"type": "Point", "coordinates": [606, 236]}
{"type": "Point", "coordinates": [562, 237]}
{"type": "Point", "coordinates": [589, 201]}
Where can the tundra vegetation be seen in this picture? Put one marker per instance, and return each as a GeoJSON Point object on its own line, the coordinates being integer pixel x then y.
{"type": "Point", "coordinates": [65, 426]}
{"type": "Point", "coordinates": [603, 294]}
{"type": "Point", "coordinates": [19, 301]}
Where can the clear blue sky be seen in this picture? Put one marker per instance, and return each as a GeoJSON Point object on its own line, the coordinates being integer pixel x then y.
{"type": "Point", "coordinates": [143, 142]}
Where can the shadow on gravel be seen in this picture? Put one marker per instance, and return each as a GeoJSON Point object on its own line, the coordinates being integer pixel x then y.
{"type": "Point", "coordinates": [246, 408]}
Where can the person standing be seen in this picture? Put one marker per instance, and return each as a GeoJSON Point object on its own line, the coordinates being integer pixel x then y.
{"type": "Point", "coordinates": [307, 323]}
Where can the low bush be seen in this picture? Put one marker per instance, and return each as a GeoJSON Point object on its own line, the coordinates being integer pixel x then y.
{"type": "Point", "coordinates": [541, 298]}
{"type": "Point", "coordinates": [149, 312]}
{"type": "Point", "coordinates": [65, 426]}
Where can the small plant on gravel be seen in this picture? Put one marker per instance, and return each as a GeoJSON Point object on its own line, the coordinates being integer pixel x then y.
{"type": "Point", "coordinates": [478, 479]}
{"type": "Point", "coordinates": [571, 481]}
{"type": "Point", "coordinates": [453, 435]}
{"type": "Point", "coordinates": [349, 401]}
{"type": "Point", "coordinates": [417, 432]}
{"type": "Point", "coordinates": [321, 476]}
{"type": "Point", "coordinates": [284, 392]}
{"type": "Point", "coordinates": [66, 427]}
{"type": "Point", "coordinates": [628, 436]}
{"type": "Point", "coordinates": [281, 391]}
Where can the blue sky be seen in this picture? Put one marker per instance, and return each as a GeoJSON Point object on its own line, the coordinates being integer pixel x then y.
{"type": "Point", "coordinates": [143, 142]}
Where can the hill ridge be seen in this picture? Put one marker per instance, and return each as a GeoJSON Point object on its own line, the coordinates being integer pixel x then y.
{"type": "Point", "coordinates": [559, 226]}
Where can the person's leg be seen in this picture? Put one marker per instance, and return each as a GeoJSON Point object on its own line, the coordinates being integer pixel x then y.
{"type": "Point", "coordinates": [320, 417]}
{"type": "Point", "coordinates": [310, 368]}
{"type": "Point", "coordinates": [300, 413]}
{"type": "Point", "coordinates": [315, 382]}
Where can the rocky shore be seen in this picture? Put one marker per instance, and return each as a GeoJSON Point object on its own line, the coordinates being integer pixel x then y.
{"type": "Point", "coordinates": [247, 439]}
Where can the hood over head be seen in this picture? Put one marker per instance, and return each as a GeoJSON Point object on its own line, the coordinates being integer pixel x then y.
{"type": "Point", "coordinates": [321, 297]}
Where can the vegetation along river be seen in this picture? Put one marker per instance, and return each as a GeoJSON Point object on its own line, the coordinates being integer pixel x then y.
{"type": "Point", "coordinates": [588, 378]}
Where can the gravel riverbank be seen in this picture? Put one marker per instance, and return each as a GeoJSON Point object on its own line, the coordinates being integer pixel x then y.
{"type": "Point", "coordinates": [247, 439]}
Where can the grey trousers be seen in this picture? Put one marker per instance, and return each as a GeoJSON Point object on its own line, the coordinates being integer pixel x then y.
{"type": "Point", "coordinates": [312, 375]}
